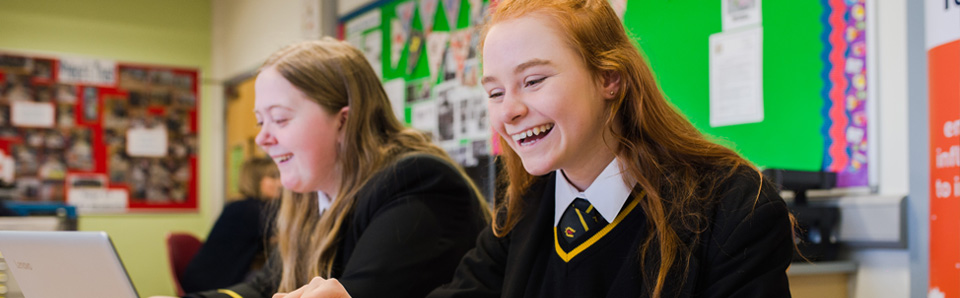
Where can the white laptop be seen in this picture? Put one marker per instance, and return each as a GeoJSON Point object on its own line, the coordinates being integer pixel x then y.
{"type": "Point", "coordinates": [65, 264]}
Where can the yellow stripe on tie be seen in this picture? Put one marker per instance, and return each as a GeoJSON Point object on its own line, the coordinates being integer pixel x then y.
{"type": "Point", "coordinates": [567, 256]}
{"type": "Point", "coordinates": [590, 208]}
{"type": "Point", "coordinates": [230, 293]}
{"type": "Point", "coordinates": [583, 222]}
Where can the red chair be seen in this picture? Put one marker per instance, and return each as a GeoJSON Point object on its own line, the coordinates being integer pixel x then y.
{"type": "Point", "coordinates": [181, 247]}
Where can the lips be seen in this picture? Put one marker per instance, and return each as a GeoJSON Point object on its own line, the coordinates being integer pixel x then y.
{"type": "Point", "coordinates": [282, 158]}
{"type": "Point", "coordinates": [533, 134]}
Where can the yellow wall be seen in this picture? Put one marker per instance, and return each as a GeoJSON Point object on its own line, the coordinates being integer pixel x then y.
{"type": "Point", "coordinates": [168, 32]}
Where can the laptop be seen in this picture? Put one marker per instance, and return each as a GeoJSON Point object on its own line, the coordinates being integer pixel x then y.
{"type": "Point", "coordinates": [65, 264]}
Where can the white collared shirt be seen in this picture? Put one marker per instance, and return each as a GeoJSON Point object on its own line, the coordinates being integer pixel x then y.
{"type": "Point", "coordinates": [323, 201]}
{"type": "Point", "coordinates": [608, 193]}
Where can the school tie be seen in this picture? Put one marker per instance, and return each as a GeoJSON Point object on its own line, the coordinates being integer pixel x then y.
{"type": "Point", "coordinates": [578, 222]}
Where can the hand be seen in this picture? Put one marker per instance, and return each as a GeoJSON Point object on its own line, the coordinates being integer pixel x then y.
{"type": "Point", "coordinates": [318, 288]}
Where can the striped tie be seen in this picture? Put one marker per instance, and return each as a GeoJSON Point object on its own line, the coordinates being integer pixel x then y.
{"type": "Point", "coordinates": [579, 220]}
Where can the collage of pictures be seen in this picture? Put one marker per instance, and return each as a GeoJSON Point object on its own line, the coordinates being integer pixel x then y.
{"type": "Point", "coordinates": [52, 127]}
{"type": "Point", "coordinates": [432, 47]}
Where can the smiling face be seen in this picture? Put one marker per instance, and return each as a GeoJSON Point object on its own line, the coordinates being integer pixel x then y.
{"type": "Point", "coordinates": [544, 101]}
{"type": "Point", "coordinates": [299, 135]}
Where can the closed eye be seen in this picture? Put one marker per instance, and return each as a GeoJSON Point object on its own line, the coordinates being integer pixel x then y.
{"type": "Point", "coordinates": [534, 82]}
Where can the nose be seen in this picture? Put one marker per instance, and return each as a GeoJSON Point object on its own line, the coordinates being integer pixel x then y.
{"type": "Point", "coordinates": [512, 108]}
{"type": "Point", "coordinates": [264, 137]}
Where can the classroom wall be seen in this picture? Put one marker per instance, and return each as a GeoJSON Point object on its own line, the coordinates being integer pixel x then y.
{"type": "Point", "coordinates": [245, 32]}
{"type": "Point", "coordinates": [175, 32]}
{"type": "Point", "coordinates": [347, 6]}
{"type": "Point", "coordinates": [886, 272]}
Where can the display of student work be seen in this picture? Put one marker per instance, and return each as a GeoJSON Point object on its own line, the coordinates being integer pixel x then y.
{"type": "Point", "coordinates": [426, 53]}
{"type": "Point", "coordinates": [105, 136]}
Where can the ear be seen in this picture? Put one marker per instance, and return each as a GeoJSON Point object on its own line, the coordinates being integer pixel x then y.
{"type": "Point", "coordinates": [610, 84]}
{"type": "Point", "coordinates": [341, 117]}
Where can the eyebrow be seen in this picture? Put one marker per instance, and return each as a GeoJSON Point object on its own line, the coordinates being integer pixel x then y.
{"type": "Point", "coordinates": [268, 108]}
{"type": "Point", "coordinates": [520, 68]}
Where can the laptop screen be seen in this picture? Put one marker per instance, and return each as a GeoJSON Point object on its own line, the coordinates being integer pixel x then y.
{"type": "Point", "coordinates": [65, 264]}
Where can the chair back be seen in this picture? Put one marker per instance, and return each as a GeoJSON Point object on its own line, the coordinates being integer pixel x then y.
{"type": "Point", "coordinates": [181, 247]}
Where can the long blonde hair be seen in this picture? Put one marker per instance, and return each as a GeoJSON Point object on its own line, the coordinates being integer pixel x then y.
{"type": "Point", "coordinates": [678, 168]}
{"type": "Point", "coordinates": [335, 75]}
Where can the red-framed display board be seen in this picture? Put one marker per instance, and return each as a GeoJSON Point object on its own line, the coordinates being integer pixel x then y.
{"type": "Point", "coordinates": [105, 136]}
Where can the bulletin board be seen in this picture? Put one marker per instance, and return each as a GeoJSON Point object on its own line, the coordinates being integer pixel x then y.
{"type": "Point", "coordinates": [813, 73]}
{"type": "Point", "coordinates": [102, 135]}
{"type": "Point", "coordinates": [426, 53]}
{"type": "Point", "coordinates": [814, 79]}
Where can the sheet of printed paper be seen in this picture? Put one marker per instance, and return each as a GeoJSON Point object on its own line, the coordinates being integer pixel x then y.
{"type": "Point", "coordinates": [736, 77]}
{"type": "Point", "coordinates": [396, 92]}
{"type": "Point", "coordinates": [32, 114]}
{"type": "Point", "coordinates": [147, 142]}
{"type": "Point", "coordinates": [373, 50]}
{"type": "Point", "coordinates": [424, 117]}
{"type": "Point", "coordinates": [739, 13]}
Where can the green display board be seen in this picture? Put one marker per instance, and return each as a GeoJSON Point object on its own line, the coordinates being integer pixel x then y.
{"type": "Point", "coordinates": [674, 36]}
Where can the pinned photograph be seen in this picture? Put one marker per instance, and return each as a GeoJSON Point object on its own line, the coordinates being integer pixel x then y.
{"type": "Point", "coordinates": [66, 116]}
{"type": "Point", "coordinates": [80, 151]}
{"type": "Point", "coordinates": [118, 164]}
{"type": "Point", "coordinates": [17, 88]}
{"type": "Point", "coordinates": [132, 78]}
{"type": "Point", "coordinates": [91, 105]}
{"type": "Point", "coordinates": [66, 93]}
{"type": "Point", "coordinates": [26, 159]}
{"type": "Point", "coordinates": [418, 91]}
{"type": "Point", "coordinates": [56, 139]}
{"type": "Point", "coordinates": [43, 69]}
{"type": "Point", "coordinates": [43, 93]}
{"type": "Point", "coordinates": [115, 113]}
{"type": "Point", "coordinates": [15, 64]}
{"type": "Point", "coordinates": [52, 168]}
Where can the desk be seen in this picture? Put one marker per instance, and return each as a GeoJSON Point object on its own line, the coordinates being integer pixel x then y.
{"type": "Point", "coordinates": [821, 279]}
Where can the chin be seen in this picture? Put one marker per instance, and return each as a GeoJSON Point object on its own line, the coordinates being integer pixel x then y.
{"type": "Point", "coordinates": [536, 167]}
{"type": "Point", "coordinates": [294, 186]}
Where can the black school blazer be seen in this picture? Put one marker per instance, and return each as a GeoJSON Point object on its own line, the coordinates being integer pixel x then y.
{"type": "Point", "coordinates": [744, 252]}
{"type": "Point", "coordinates": [412, 223]}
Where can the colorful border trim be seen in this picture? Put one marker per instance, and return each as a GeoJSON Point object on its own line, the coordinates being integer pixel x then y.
{"type": "Point", "coordinates": [845, 95]}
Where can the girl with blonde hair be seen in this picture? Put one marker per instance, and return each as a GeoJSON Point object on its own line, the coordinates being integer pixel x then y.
{"type": "Point", "coordinates": [370, 203]}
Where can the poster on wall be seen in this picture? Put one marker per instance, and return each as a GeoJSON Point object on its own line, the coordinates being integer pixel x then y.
{"type": "Point", "coordinates": [102, 135]}
{"type": "Point", "coordinates": [431, 72]}
{"type": "Point", "coordinates": [943, 56]}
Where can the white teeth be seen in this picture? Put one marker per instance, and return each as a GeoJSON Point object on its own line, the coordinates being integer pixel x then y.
{"type": "Point", "coordinates": [284, 158]}
{"type": "Point", "coordinates": [531, 132]}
